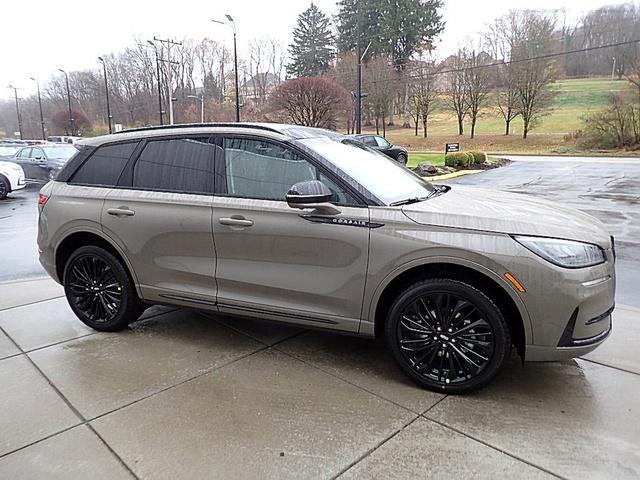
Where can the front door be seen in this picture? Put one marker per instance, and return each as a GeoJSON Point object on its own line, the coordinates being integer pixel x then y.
{"type": "Point", "coordinates": [160, 215]}
{"type": "Point", "coordinates": [278, 262]}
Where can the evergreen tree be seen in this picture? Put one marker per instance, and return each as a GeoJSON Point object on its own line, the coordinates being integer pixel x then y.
{"type": "Point", "coordinates": [397, 28]}
{"type": "Point", "coordinates": [312, 48]}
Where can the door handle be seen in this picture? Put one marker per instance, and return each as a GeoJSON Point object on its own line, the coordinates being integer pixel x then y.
{"type": "Point", "coordinates": [236, 221]}
{"type": "Point", "coordinates": [121, 212]}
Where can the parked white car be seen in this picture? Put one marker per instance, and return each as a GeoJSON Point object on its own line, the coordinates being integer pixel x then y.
{"type": "Point", "coordinates": [11, 178]}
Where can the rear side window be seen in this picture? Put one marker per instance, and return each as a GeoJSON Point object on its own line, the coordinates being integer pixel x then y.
{"type": "Point", "coordinates": [103, 168]}
{"type": "Point", "coordinates": [184, 165]}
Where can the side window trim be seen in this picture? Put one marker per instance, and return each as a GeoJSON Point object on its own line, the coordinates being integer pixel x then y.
{"type": "Point", "coordinates": [220, 187]}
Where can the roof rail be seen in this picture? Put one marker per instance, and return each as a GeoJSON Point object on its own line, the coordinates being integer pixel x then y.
{"type": "Point", "coordinates": [200, 125]}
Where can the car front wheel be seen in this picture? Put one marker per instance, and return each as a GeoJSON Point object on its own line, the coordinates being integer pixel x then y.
{"type": "Point", "coordinates": [402, 159]}
{"type": "Point", "coordinates": [99, 290]}
{"type": "Point", "coordinates": [447, 336]}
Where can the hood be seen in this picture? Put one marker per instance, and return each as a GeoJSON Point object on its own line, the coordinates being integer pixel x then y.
{"type": "Point", "coordinates": [511, 213]}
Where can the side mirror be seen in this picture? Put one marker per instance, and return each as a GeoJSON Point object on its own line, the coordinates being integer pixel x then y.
{"type": "Point", "coordinates": [311, 194]}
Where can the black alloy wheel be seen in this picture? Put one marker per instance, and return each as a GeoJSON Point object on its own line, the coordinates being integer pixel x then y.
{"type": "Point", "coordinates": [4, 188]}
{"type": "Point", "coordinates": [99, 290]}
{"type": "Point", "coordinates": [447, 336]}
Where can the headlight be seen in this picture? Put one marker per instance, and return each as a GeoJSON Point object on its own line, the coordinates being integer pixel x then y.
{"type": "Point", "coordinates": [564, 253]}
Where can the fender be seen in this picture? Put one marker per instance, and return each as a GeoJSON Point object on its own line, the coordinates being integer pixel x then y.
{"type": "Point", "coordinates": [368, 322]}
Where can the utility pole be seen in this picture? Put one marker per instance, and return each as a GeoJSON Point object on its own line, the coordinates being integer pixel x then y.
{"type": "Point", "coordinates": [106, 91]}
{"type": "Point", "coordinates": [44, 136]}
{"type": "Point", "coordinates": [160, 111]}
{"type": "Point", "coordinates": [18, 114]}
{"type": "Point", "coordinates": [169, 44]}
{"type": "Point", "coordinates": [613, 68]}
{"type": "Point", "coordinates": [232, 24]}
{"type": "Point", "coordinates": [359, 70]}
{"type": "Point", "coordinates": [71, 121]}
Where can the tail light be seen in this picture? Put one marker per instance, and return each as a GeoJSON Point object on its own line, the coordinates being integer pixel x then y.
{"type": "Point", "coordinates": [42, 199]}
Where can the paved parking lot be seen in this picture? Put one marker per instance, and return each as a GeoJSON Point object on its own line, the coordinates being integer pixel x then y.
{"type": "Point", "coordinates": [183, 394]}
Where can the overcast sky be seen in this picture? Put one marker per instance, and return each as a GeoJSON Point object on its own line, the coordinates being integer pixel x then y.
{"type": "Point", "coordinates": [39, 36]}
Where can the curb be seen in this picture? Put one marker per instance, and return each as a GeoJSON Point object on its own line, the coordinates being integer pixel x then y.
{"type": "Point", "coordinates": [448, 176]}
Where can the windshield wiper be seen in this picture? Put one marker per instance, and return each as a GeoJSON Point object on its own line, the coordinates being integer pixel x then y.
{"type": "Point", "coordinates": [409, 201]}
{"type": "Point", "coordinates": [439, 190]}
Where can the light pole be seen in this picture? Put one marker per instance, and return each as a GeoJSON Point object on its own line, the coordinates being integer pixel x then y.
{"type": "Point", "coordinates": [44, 136]}
{"type": "Point", "coordinates": [15, 92]}
{"type": "Point", "coordinates": [155, 48]}
{"type": "Point", "coordinates": [201, 98]}
{"type": "Point", "coordinates": [106, 91]}
{"type": "Point", "coordinates": [71, 121]}
{"type": "Point", "coordinates": [235, 61]}
{"type": "Point", "coordinates": [359, 70]}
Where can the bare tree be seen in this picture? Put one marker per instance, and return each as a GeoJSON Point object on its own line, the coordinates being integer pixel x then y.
{"type": "Point", "coordinates": [310, 101]}
{"type": "Point", "coordinates": [424, 94]}
{"type": "Point", "coordinates": [457, 93]}
{"type": "Point", "coordinates": [477, 82]}
{"type": "Point", "coordinates": [379, 84]}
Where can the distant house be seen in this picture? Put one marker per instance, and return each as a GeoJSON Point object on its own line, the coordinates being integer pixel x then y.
{"type": "Point", "coordinates": [259, 87]}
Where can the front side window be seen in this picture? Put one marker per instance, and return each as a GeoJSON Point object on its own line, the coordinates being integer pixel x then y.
{"type": "Point", "coordinates": [103, 168]}
{"type": "Point", "coordinates": [183, 165]}
{"type": "Point", "coordinates": [264, 170]}
{"type": "Point", "coordinates": [37, 153]}
{"type": "Point", "coordinates": [382, 143]}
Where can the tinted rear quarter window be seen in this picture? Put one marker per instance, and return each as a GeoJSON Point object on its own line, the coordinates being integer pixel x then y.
{"type": "Point", "coordinates": [103, 168]}
{"type": "Point", "coordinates": [184, 165]}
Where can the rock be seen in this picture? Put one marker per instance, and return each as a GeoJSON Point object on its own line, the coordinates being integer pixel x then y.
{"type": "Point", "coordinates": [425, 169]}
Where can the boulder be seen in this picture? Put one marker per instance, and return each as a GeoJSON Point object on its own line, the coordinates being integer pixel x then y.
{"type": "Point", "coordinates": [425, 169]}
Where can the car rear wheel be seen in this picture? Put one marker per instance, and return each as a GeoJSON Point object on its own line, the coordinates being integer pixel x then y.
{"type": "Point", "coordinates": [402, 159]}
{"type": "Point", "coordinates": [4, 188]}
{"type": "Point", "coordinates": [99, 290]}
{"type": "Point", "coordinates": [447, 336]}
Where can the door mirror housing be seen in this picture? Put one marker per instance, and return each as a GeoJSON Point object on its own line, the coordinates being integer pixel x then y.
{"type": "Point", "coordinates": [311, 194]}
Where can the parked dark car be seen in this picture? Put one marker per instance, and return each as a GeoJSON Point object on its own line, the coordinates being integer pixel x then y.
{"type": "Point", "coordinates": [399, 154]}
{"type": "Point", "coordinates": [42, 162]}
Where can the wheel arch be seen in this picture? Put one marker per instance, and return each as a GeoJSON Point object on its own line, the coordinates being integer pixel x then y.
{"type": "Point", "coordinates": [77, 239]}
{"type": "Point", "coordinates": [476, 275]}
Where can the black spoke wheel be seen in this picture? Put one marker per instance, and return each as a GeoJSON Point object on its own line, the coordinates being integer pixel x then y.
{"type": "Point", "coordinates": [4, 188]}
{"type": "Point", "coordinates": [99, 290]}
{"type": "Point", "coordinates": [447, 335]}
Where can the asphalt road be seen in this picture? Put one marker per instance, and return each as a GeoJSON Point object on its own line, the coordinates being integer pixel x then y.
{"type": "Point", "coordinates": [609, 189]}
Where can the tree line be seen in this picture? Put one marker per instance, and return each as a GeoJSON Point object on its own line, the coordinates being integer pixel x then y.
{"type": "Point", "coordinates": [510, 68]}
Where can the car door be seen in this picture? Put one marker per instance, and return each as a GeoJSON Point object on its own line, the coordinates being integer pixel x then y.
{"type": "Point", "coordinates": [160, 216]}
{"type": "Point", "coordinates": [23, 158]}
{"type": "Point", "coordinates": [38, 159]}
{"type": "Point", "coordinates": [277, 262]}
{"type": "Point", "coordinates": [383, 146]}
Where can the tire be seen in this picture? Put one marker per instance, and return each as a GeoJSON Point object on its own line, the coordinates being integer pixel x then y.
{"type": "Point", "coordinates": [106, 308]}
{"type": "Point", "coordinates": [435, 359]}
{"type": "Point", "coordinates": [402, 159]}
{"type": "Point", "coordinates": [5, 187]}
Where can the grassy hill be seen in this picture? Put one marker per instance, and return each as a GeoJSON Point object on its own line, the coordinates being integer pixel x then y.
{"type": "Point", "coordinates": [574, 98]}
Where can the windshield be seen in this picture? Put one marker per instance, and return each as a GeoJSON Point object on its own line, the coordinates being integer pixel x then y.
{"type": "Point", "coordinates": [8, 149]}
{"type": "Point", "coordinates": [62, 153]}
{"type": "Point", "coordinates": [387, 180]}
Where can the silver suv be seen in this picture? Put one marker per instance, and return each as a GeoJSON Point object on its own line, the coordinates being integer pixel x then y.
{"type": "Point", "coordinates": [308, 227]}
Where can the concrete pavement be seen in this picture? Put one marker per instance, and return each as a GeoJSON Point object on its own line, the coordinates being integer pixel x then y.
{"type": "Point", "coordinates": [181, 394]}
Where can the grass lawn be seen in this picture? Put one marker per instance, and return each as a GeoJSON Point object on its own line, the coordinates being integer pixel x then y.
{"type": "Point", "coordinates": [574, 98]}
{"type": "Point", "coordinates": [436, 159]}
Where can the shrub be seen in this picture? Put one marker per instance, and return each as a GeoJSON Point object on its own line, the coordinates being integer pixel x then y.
{"type": "Point", "coordinates": [458, 159]}
{"type": "Point", "coordinates": [478, 157]}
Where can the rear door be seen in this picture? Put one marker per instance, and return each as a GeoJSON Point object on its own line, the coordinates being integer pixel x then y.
{"type": "Point", "coordinates": [278, 262]}
{"type": "Point", "coordinates": [160, 216]}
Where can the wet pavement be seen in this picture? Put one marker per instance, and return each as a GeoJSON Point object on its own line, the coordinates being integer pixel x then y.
{"type": "Point", "coordinates": [181, 394]}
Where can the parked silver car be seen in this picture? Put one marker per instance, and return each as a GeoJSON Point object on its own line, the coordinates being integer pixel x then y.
{"type": "Point", "coordinates": [308, 227]}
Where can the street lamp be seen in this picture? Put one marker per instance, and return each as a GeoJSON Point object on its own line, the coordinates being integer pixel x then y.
{"type": "Point", "coordinates": [235, 60]}
{"type": "Point", "coordinates": [71, 121]}
{"type": "Point", "coordinates": [44, 136]}
{"type": "Point", "coordinates": [201, 98]}
{"type": "Point", "coordinates": [155, 48]}
{"type": "Point", "coordinates": [106, 91]}
{"type": "Point", "coordinates": [15, 92]}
